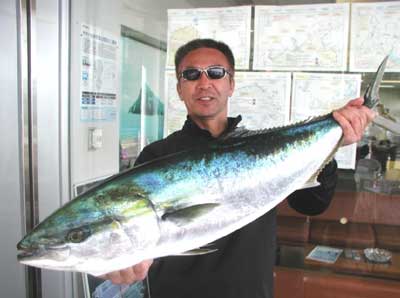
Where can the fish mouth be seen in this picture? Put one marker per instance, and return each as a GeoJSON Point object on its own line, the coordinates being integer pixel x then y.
{"type": "Point", "coordinates": [28, 254]}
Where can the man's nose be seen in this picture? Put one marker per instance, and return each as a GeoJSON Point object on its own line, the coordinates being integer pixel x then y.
{"type": "Point", "coordinates": [203, 81]}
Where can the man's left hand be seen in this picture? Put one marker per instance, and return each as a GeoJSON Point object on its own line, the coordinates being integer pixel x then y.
{"type": "Point", "coordinates": [354, 117]}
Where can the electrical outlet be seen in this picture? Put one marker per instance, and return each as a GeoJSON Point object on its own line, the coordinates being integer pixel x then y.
{"type": "Point", "coordinates": [95, 138]}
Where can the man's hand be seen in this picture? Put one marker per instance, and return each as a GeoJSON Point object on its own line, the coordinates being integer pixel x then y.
{"type": "Point", "coordinates": [353, 118]}
{"type": "Point", "coordinates": [129, 275]}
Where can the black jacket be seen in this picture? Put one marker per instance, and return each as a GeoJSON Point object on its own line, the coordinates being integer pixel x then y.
{"type": "Point", "coordinates": [243, 264]}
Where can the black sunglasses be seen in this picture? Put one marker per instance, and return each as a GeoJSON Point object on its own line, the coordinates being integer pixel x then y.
{"type": "Point", "coordinates": [212, 72]}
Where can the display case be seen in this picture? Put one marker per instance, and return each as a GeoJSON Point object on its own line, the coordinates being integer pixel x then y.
{"type": "Point", "coordinates": [354, 223]}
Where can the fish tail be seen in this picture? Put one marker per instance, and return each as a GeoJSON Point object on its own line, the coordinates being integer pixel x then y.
{"type": "Point", "coordinates": [371, 96]}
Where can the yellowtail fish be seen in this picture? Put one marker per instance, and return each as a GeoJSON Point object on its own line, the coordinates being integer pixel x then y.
{"type": "Point", "coordinates": [178, 203]}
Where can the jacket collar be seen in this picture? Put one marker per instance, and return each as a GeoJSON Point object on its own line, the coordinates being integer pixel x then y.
{"type": "Point", "coordinates": [191, 127]}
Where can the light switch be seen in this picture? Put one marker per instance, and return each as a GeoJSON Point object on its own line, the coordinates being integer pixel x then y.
{"type": "Point", "coordinates": [95, 138]}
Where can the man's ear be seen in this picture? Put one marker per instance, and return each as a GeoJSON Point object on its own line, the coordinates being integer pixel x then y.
{"type": "Point", "coordinates": [232, 86]}
{"type": "Point", "coordinates": [178, 89]}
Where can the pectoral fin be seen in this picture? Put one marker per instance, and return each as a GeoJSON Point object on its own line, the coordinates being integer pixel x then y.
{"type": "Point", "coordinates": [197, 252]}
{"type": "Point", "coordinates": [311, 183]}
{"type": "Point", "coordinates": [187, 214]}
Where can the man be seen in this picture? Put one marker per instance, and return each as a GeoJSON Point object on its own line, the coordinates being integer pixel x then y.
{"type": "Point", "coordinates": [243, 264]}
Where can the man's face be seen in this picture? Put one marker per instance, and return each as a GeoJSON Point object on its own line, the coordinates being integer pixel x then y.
{"type": "Point", "coordinates": [205, 98]}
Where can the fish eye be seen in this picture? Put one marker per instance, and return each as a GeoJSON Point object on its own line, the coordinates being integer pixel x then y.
{"type": "Point", "coordinates": [77, 235]}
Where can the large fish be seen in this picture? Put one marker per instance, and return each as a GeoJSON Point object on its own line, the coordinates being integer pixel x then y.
{"type": "Point", "coordinates": [181, 202]}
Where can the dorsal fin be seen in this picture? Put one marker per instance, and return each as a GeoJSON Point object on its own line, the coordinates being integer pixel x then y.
{"type": "Point", "coordinates": [242, 132]}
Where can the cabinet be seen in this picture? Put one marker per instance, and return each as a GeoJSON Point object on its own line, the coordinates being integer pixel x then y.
{"type": "Point", "coordinates": [297, 283]}
{"type": "Point", "coordinates": [354, 221]}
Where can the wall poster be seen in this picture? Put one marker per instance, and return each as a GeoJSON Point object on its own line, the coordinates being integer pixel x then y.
{"type": "Point", "coordinates": [98, 90]}
{"type": "Point", "coordinates": [261, 98]}
{"type": "Point", "coordinates": [301, 37]}
{"type": "Point", "coordinates": [374, 35]}
{"type": "Point", "coordinates": [231, 25]}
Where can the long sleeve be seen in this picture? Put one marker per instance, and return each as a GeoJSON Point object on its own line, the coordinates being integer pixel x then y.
{"type": "Point", "coordinates": [315, 200]}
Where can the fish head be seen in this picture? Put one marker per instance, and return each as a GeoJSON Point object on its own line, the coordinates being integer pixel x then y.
{"type": "Point", "coordinates": [42, 244]}
{"type": "Point", "coordinates": [83, 236]}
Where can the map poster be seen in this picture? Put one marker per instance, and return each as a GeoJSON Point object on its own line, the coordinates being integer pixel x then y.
{"type": "Point", "coordinates": [319, 93]}
{"type": "Point", "coordinates": [231, 25]}
{"type": "Point", "coordinates": [374, 35]}
{"type": "Point", "coordinates": [301, 37]}
{"type": "Point", "coordinates": [261, 98]}
{"type": "Point", "coordinates": [176, 110]}
{"type": "Point", "coordinates": [98, 75]}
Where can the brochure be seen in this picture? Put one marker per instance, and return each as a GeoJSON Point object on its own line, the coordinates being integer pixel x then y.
{"type": "Point", "coordinates": [324, 254]}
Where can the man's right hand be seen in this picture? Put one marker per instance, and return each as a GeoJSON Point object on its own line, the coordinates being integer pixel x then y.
{"type": "Point", "coordinates": [129, 275]}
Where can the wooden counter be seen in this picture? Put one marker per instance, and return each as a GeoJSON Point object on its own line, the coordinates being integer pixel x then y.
{"type": "Point", "coordinates": [362, 267]}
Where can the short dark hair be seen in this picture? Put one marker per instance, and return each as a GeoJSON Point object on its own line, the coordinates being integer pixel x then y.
{"type": "Point", "coordinates": [204, 43]}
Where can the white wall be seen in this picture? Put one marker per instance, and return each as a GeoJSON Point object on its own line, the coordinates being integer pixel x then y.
{"type": "Point", "coordinates": [12, 277]}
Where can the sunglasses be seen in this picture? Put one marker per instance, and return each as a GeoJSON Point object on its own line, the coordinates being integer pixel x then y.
{"type": "Point", "coordinates": [212, 72]}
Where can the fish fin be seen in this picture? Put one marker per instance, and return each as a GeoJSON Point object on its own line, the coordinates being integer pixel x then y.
{"type": "Point", "coordinates": [311, 183]}
{"type": "Point", "coordinates": [209, 244]}
{"type": "Point", "coordinates": [197, 252]}
{"type": "Point", "coordinates": [242, 132]}
{"type": "Point", "coordinates": [236, 133]}
{"type": "Point", "coordinates": [186, 215]}
{"type": "Point", "coordinates": [371, 96]}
